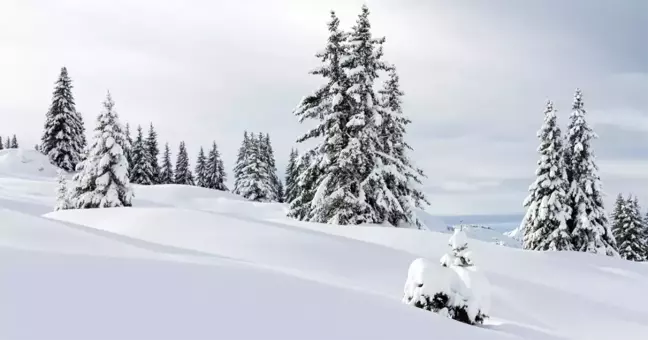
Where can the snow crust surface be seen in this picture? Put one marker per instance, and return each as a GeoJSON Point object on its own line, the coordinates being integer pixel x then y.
{"type": "Point", "coordinates": [192, 263]}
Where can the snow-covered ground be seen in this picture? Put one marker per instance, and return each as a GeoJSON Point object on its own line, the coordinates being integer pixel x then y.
{"type": "Point", "coordinates": [192, 263]}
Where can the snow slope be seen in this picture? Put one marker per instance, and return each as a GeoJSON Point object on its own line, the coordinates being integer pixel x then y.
{"type": "Point", "coordinates": [192, 263]}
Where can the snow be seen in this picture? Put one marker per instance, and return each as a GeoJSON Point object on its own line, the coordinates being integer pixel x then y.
{"type": "Point", "coordinates": [23, 163]}
{"type": "Point", "coordinates": [194, 263]}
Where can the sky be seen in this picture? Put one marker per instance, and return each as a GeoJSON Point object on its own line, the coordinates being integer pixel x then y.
{"type": "Point", "coordinates": [476, 76]}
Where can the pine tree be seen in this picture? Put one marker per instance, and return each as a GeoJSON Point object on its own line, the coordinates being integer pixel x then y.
{"type": "Point", "coordinates": [128, 149]}
{"type": "Point", "coordinates": [617, 214]}
{"type": "Point", "coordinates": [14, 142]}
{"type": "Point", "coordinates": [153, 151]}
{"type": "Point", "coordinates": [201, 169]}
{"type": "Point", "coordinates": [305, 185]}
{"type": "Point", "coordinates": [589, 227]}
{"type": "Point", "coordinates": [62, 195]}
{"type": "Point", "coordinates": [141, 172]}
{"type": "Point", "coordinates": [629, 231]}
{"type": "Point", "coordinates": [81, 131]}
{"type": "Point", "coordinates": [328, 166]}
{"type": "Point", "coordinates": [272, 184]}
{"type": "Point", "coordinates": [400, 175]}
{"type": "Point", "coordinates": [183, 174]}
{"type": "Point", "coordinates": [545, 222]}
{"type": "Point", "coordinates": [166, 174]}
{"type": "Point", "coordinates": [2, 144]}
{"type": "Point", "coordinates": [8, 143]}
{"type": "Point", "coordinates": [215, 170]}
{"type": "Point", "coordinates": [241, 161]}
{"type": "Point", "coordinates": [62, 140]}
{"type": "Point", "coordinates": [291, 177]}
{"type": "Point", "coordinates": [102, 180]}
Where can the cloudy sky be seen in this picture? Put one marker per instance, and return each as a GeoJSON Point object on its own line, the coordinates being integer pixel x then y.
{"type": "Point", "coordinates": [476, 76]}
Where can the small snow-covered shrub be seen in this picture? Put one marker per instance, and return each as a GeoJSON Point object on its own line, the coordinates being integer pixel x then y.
{"type": "Point", "coordinates": [456, 289]}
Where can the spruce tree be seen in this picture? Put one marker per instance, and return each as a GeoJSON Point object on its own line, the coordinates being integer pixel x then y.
{"type": "Point", "coordinates": [215, 170]}
{"type": "Point", "coordinates": [62, 195]}
{"type": "Point", "coordinates": [201, 169]}
{"type": "Point", "coordinates": [290, 192]}
{"type": "Point", "coordinates": [272, 183]}
{"type": "Point", "coordinates": [241, 161]}
{"type": "Point", "coordinates": [617, 214]}
{"type": "Point", "coordinates": [400, 175]}
{"type": "Point", "coordinates": [8, 143]}
{"type": "Point", "coordinates": [545, 223]}
{"type": "Point", "coordinates": [252, 182]}
{"type": "Point", "coordinates": [166, 174]}
{"type": "Point", "coordinates": [629, 231]}
{"type": "Point", "coordinates": [14, 142]}
{"type": "Point", "coordinates": [153, 152]}
{"type": "Point", "coordinates": [183, 173]}
{"type": "Point", "coordinates": [2, 144]}
{"type": "Point", "coordinates": [81, 132]}
{"type": "Point", "coordinates": [128, 149]}
{"type": "Point", "coordinates": [102, 180]}
{"type": "Point", "coordinates": [141, 172]}
{"type": "Point", "coordinates": [331, 169]}
{"type": "Point", "coordinates": [62, 139]}
{"type": "Point", "coordinates": [589, 227]}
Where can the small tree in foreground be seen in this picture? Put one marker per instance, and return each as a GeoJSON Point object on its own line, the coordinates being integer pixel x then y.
{"type": "Point", "coordinates": [456, 289]}
{"type": "Point", "coordinates": [62, 195]}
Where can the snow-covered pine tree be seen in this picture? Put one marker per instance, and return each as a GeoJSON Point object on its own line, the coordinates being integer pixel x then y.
{"type": "Point", "coordinates": [254, 183]}
{"type": "Point", "coordinates": [141, 172]}
{"type": "Point", "coordinates": [269, 169]}
{"type": "Point", "coordinates": [401, 176]}
{"type": "Point", "coordinates": [201, 169]}
{"type": "Point", "coordinates": [61, 140]}
{"type": "Point", "coordinates": [128, 149]}
{"type": "Point", "coordinates": [8, 143]}
{"type": "Point", "coordinates": [290, 192]}
{"type": "Point", "coordinates": [629, 231]}
{"type": "Point", "coordinates": [166, 174]}
{"type": "Point", "coordinates": [330, 183]}
{"type": "Point", "coordinates": [241, 162]}
{"type": "Point", "coordinates": [617, 214]}
{"type": "Point", "coordinates": [2, 144]}
{"type": "Point", "coordinates": [81, 131]}
{"type": "Point", "coordinates": [102, 178]}
{"type": "Point", "coordinates": [14, 142]}
{"type": "Point", "coordinates": [545, 224]}
{"type": "Point", "coordinates": [62, 195]}
{"type": "Point", "coordinates": [215, 170]}
{"type": "Point", "coordinates": [183, 173]}
{"type": "Point", "coordinates": [153, 151]}
{"type": "Point", "coordinates": [588, 225]}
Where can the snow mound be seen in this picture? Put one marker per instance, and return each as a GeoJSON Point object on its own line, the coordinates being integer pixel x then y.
{"type": "Point", "coordinates": [21, 163]}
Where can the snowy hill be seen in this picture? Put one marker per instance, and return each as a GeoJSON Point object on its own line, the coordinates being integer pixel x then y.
{"type": "Point", "coordinates": [192, 263]}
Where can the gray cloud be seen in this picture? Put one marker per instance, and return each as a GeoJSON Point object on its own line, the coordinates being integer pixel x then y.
{"type": "Point", "coordinates": [476, 76]}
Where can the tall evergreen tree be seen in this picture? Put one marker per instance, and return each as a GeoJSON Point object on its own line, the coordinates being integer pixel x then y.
{"type": "Point", "coordinates": [2, 144]}
{"type": "Point", "coordinates": [62, 195]}
{"type": "Point", "coordinates": [183, 173]}
{"type": "Point", "coordinates": [102, 180]}
{"type": "Point", "coordinates": [215, 170]}
{"type": "Point", "coordinates": [241, 162]}
{"type": "Point", "coordinates": [292, 173]}
{"type": "Point", "coordinates": [628, 231]}
{"type": "Point", "coordinates": [330, 165]}
{"type": "Point", "coordinates": [141, 172]}
{"type": "Point", "coordinates": [62, 140]}
{"type": "Point", "coordinates": [589, 227]}
{"type": "Point", "coordinates": [545, 222]}
{"type": "Point", "coordinates": [128, 149]}
{"type": "Point", "coordinates": [272, 183]}
{"type": "Point", "coordinates": [81, 131]}
{"type": "Point", "coordinates": [201, 169]}
{"type": "Point", "coordinates": [8, 143]}
{"type": "Point", "coordinates": [14, 142]}
{"type": "Point", "coordinates": [400, 175]}
{"type": "Point", "coordinates": [166, 175]}
{"type": "Point", "coordinates": [153, 152]}
{"type": "Point", "coordinates": [617, 214]}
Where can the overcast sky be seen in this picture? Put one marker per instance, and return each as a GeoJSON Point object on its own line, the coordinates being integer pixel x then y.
{"type": "Point", "coordinates": [476, 76]}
